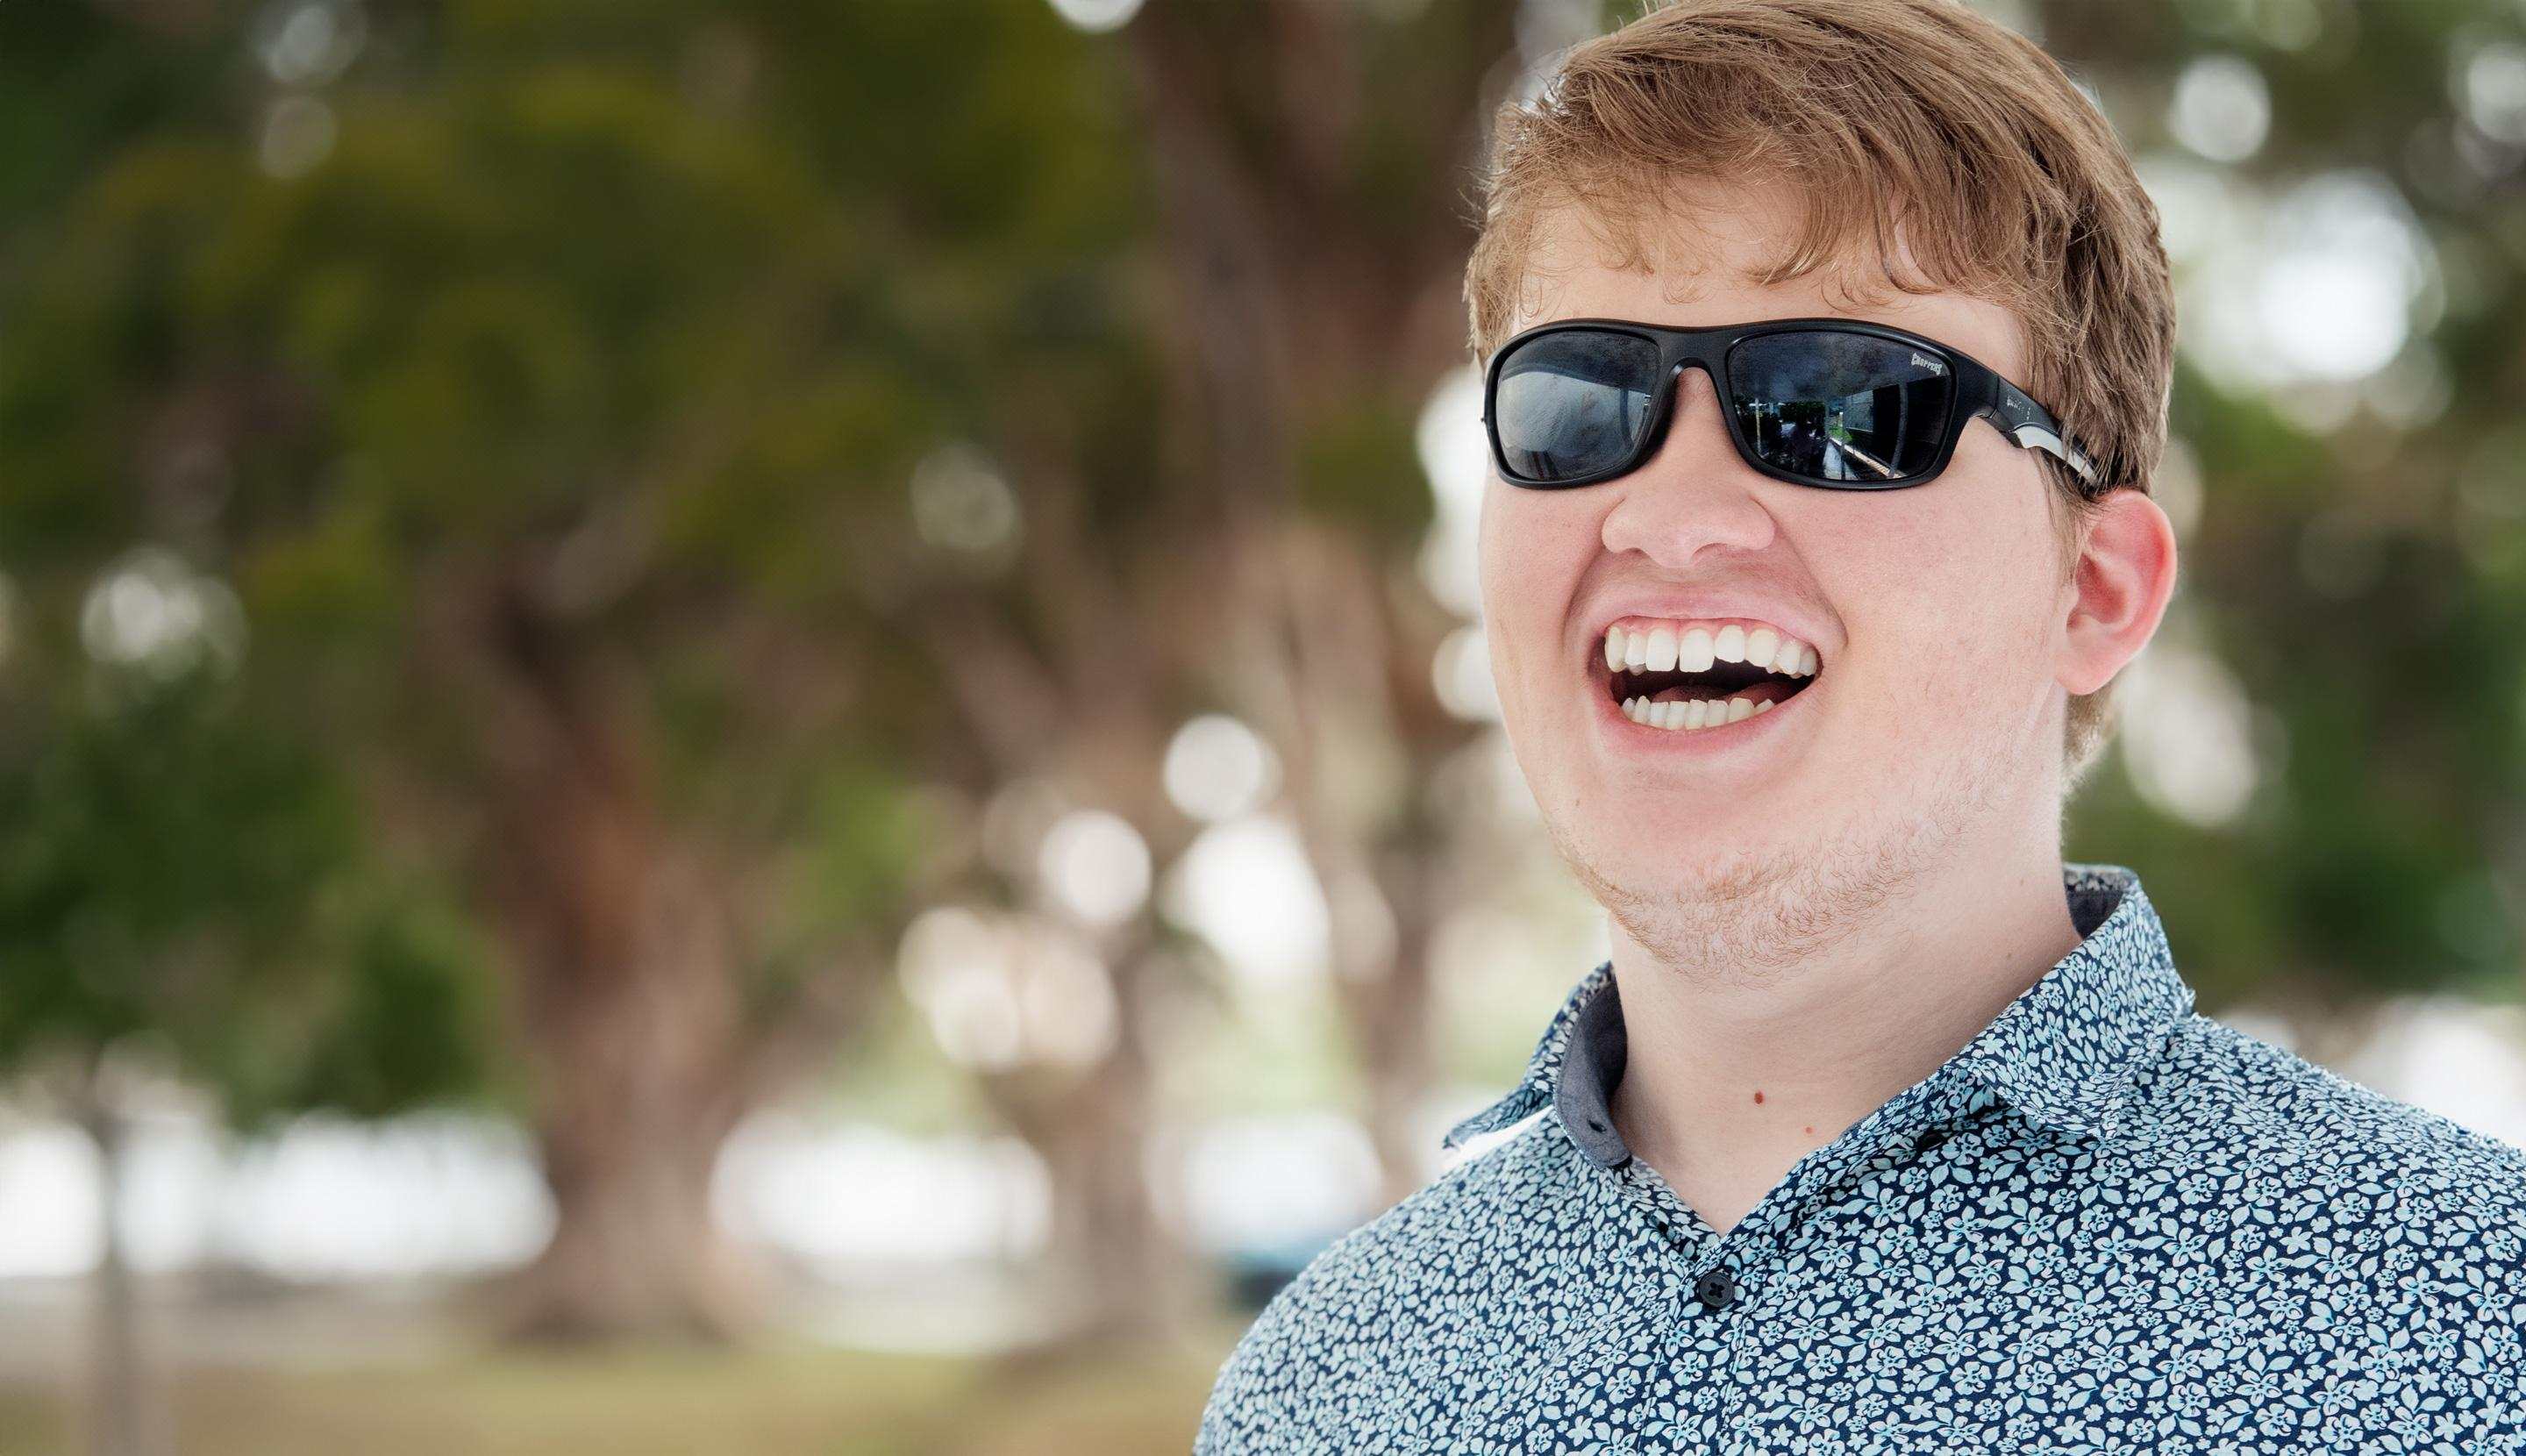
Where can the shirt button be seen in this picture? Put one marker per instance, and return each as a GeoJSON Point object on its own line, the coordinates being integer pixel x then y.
{"type": "Point", "coordinates": [1715, 1290]}
{"type": "Point", "coordinates": [1930, 1140]}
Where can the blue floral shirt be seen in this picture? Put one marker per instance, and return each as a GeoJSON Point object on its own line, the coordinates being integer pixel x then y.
{"type": "Point", "coordinates": [2106, 1223]}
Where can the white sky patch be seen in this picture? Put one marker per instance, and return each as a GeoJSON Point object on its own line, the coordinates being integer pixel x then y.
{"type": "Point", "coordinates": [150, 610]}
{"type": "Point", "coordinates": [842, 1194]}
{"type": "Point", "coordinates": [2332, 311]}
{"type": "Point", "coordinates": [1096, 866]}
{"type": "Point", "coordinates": [335, 1198]}
{"type": "Point", "coordinates": [48, 1224]}
{"type": "Point", "coordinates": [1218, 768]}
{"type": "Point", "coordinates": [1264, 1181]}
{"type": "Point", "coordinates": [1455, 457]}
{"type": "Point", "coordinates": [1461, 672]}
{"type": "Point", "coordinates": [323, 1197]}
{"type": "Point", "coordinates": [1246, 888]}
{"type": "Point", "coordinates": [2315, 292]}
{"type": "Point", "coordinates": [2177, 488]}
{"type": "Point", "coordinates": [2197, 205]}
{"type": "Point", "coordinates": [2488, 82]}
{"type": "Point", "coordinates": [311, 44]}
{"type": "Point", "coordinates": [2462, 1061]}
{"type": "Point", "coordinates": [1096, 16]}
{"type": "Point", "coordinates": [2221, 108]}
{"type": "Point", "coordinates": [1004, 990]}
{"type": "Point", "coordinates": [2188, 733]}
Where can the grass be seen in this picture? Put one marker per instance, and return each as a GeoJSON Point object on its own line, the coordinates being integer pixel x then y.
{"type": "Point", "coordinates": [784, 1401]}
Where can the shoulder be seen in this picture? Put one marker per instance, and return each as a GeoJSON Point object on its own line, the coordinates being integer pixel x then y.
{"type": "Point", "coordinates": [1314, 1357]}
{"type": "Point", "coordinates": [2221, 1086]}
{"type": "Point", "coordinates": [2354, 1200]}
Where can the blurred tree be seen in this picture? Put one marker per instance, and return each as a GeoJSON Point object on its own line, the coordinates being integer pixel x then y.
{"type": "Point", "coordinates": [505, 383]}
{"type": "Point", "coordinates": [1313, 162]}
{"type": "Point", "coordinates": [185, 893]}
{"type": "Point", "coordinates": [2358, 560]}
{"type": "Point", "coordinates": [1041, 587]}
{"type": "Point", "coordinates": [592, 546]}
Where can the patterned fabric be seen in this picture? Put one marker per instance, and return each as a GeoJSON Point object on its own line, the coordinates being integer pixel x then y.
{"type": "Point", "coordinates": [2106, 1223]}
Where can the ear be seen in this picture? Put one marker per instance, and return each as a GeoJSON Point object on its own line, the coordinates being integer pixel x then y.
{"type": "Point", "coordinates": [2117, 590]}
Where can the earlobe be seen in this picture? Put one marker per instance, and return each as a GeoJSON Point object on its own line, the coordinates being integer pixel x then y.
{"type": "Point", "coordinates": [2118, 590]}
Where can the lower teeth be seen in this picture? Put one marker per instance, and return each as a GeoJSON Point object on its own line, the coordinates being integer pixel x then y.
{"type": "Point", "coordinates": [1692, 713]}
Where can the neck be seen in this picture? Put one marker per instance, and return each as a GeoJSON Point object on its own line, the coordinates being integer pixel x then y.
{"type": "Point", "coordinates": [1732, 1077]}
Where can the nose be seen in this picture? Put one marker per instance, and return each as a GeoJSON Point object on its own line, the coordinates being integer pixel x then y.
{"type": "Point", "coordinates": [1696, 491]}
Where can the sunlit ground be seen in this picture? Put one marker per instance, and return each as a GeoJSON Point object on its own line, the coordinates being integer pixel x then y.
{"type": "Point", "coordinates": [769, 1403]}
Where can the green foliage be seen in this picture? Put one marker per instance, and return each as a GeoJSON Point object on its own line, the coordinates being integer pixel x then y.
{"type": "Point", "coordinates": [650, 307]}
{"type": "Point", "coordinates": [408, 1020]}
{"type": "Point", "coordinates": [2353, 577]}
{"type": "Point", "coordinates": [1359, 465]}
{"type": "Point", "coordinates": [174, 872]}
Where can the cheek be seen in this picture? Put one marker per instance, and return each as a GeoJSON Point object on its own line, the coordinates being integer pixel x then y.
{"type": "Point", "coordinates": [1488, 528]}
{"type": "Point", "coordinates": [1497, 577]}
{"type": "Point", "coordinates": [1535, 548]}
{"type": "Point", "coordinates": [1948, 598]}
{"type": "Point", "coordinates": [1531, 546]}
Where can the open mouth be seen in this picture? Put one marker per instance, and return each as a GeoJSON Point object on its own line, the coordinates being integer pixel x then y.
{"type": "Point", "coordinates": [1719, 680]}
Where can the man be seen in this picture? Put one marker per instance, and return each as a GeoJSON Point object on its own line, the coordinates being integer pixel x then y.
{"type": "Point", "coordinates": [1882, 1129]}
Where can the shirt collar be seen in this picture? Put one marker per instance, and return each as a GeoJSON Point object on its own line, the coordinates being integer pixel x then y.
{"type": "Point", "coordinates": [2065, 1053]}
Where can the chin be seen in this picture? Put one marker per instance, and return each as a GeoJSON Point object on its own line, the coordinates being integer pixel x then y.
{"type": "Point", "coordinates": [1639, 856]}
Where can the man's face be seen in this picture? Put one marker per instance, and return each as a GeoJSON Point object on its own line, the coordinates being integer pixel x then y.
{"type": "Point", "coordinates": [1936, 614]}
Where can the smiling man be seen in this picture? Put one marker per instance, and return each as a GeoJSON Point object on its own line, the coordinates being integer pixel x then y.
{"type": "Point", "coordinates": [1826, 352]}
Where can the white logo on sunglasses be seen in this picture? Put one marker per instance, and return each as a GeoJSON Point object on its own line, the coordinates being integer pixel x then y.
{"type": "Point", "coordinates": [1928, 362]}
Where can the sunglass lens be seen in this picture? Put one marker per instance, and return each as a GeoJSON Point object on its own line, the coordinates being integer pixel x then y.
{"type": "Point", "coordinates": [1573, 402]}
{"type": "Point", "coordinates": [1840, 406]}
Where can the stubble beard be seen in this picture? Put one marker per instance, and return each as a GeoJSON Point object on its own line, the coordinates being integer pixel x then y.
{"type": "Point", "coordinates": [1754, 914]}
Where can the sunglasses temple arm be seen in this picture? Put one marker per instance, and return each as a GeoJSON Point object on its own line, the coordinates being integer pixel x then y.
{"type": "Point", "coordinates": [2031, 426]}
{"type": "Point", "coordinates": [2037, 437]}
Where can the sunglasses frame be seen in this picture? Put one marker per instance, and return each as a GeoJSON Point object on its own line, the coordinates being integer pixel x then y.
{"type": "Point", "coordinates": [1979, 392]}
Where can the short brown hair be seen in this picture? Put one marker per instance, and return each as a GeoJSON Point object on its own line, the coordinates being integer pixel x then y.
{"type": "Point", "coordinates": [2005, 181]}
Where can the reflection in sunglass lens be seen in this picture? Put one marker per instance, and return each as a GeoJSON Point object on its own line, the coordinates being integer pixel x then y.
{"type": "Point", "coordinates": [1573, 402]}
{"type": "Point", "coordinates": [1840, 406]}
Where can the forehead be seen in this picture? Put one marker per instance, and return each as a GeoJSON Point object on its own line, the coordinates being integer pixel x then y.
{"type": "Point", "coordinates": [1698, 260]}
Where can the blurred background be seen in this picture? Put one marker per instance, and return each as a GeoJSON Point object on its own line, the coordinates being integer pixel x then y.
{"type": "Point", "coordinates": [763, 725]}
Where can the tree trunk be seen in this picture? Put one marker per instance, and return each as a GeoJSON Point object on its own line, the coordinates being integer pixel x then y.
{"type": "Point", "coordinates": [1393, 1015]}
{"type": "Point", "coordinates": [1124, 1276]}
{"type": "Point", "coordinates": [625, 978]}
{"type": "Point", "coordinates": [628, 994]}
{"type": "Point", "coordinates": [634, 1252]}
{"type": "Point", "coordinates": [127, 1411]}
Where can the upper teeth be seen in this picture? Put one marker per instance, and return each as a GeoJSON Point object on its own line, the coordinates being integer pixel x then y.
{"type": "Point", "coordinates": [1665, 646]}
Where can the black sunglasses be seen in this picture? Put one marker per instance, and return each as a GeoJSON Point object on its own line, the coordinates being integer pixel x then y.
{"type": "Point", "coordinates": [1839, 403]}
